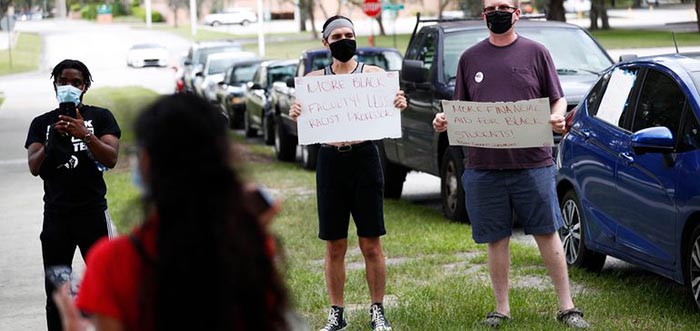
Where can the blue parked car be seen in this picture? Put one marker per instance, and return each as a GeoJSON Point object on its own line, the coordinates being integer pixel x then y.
{"type": "Point", "coordinates": [629, 170]}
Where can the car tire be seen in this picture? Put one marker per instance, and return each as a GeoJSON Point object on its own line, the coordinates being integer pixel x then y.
{"type": "Point", "coordinates": [309, 155]}
{"type": "Point", "coordinates": [285, 143]}
{"type": "Point", "coordinates": [250, 132]}
{"type": "Point", "coordinates": [394, 175]}
{"type": "Point", "coordinates": [244, 22]}
{"type": "Point", "coordinates": [692, 266]}
{"type": "Point", "coordinates": [268, 127]}
{"type": "Point", "coordinates": [573, 235]}
{"type": "Point", "coordinates": [451, 191]}
{"type": "Point", "coordinates": [215, 23]}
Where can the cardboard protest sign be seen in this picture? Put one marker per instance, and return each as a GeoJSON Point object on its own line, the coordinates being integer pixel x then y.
{"type": "Point", "coordinates": [517, 124]}
{"type": "Point", "coordinates": [347, 107]}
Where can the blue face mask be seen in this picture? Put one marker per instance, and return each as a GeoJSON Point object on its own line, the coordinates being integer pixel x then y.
{"type": "Point", "coordinates": [68, 93]}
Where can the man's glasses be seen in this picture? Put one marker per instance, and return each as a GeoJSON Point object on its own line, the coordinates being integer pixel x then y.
{"type": "Point", "coordinates": [501, 8]}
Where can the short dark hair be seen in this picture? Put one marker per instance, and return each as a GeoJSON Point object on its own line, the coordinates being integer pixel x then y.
{"type": "Point", "coordinates": [72, 64]}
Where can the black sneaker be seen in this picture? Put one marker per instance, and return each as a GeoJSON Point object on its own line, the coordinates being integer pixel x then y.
{"type": "Point", "coordinates": [378, 321]}
{"type": "Point", "coordinates": [335, 322]}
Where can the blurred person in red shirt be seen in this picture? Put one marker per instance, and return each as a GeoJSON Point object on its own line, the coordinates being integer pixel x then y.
{"type": "Point", "coordinates": [201, 260]}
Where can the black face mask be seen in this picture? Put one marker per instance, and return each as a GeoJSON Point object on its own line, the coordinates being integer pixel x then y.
{"type": "Point", "coordinates": [499, 22]}
{"type": "Point", "coordinates": [343, 50]}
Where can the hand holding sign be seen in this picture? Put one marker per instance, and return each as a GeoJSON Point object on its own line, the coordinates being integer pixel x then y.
{"type": "Point", "coordinates": [519, 124]}
{"type": "Point", "coordinates": [347, 107]}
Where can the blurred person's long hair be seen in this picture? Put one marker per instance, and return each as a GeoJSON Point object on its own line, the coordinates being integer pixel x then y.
{"type": "Point", "coordinates": [212, 271]}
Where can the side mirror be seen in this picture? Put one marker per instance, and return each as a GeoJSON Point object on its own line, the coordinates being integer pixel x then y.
{"type": "Point", "coordinates": [658, 139]}
{"type": "Point", "coordinates": [199, 74]}
{"type": "Point", "coordinates": [290, 82]}
{"type": "Point", "coordinates": [187, 63]}
{"type": "Point", "coordinates": [413, 71]}
{"type": "Point", "coordinates": [222, 84]}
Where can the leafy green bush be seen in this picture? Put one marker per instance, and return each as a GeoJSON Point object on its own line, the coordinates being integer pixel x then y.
{"type": "Point", "coordinates": [75, 7]}
{"type": "Point", "coordinates": [141, 14]}
{"type": "Point", "coordinates": [89, 12]}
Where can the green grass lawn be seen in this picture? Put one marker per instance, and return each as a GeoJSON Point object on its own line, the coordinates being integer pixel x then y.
{"type": "Point", "coordinates": [437, 276]}
{"type": "Point", "coordinates": [25, 54]}
{"type": "Point", "coordinates": [621, 38]}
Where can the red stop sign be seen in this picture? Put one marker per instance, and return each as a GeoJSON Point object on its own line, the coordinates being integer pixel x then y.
{"type": "Point", "coordinates": [372, 8]}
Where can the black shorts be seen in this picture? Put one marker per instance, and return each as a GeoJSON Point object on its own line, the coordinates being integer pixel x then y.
{"type": "Point", "coordinates": [349, 182]}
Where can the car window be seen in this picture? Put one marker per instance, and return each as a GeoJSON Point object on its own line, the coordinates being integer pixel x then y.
{"type": "Point", "coordinates": [573, 50]}
{"type": "Point", "coordinates": [427, 51]}
{"type": "Point", "coordinates": [243, 74]}
{"type": "Point", "coordinates": [690, 137]}
{"type": "Point", "coordinates": [389, 61]}
{"type": "Point", "coordinates": [413, 52]}
{"type": "Point", "coordinates": [320, 61]}
{"type": "Point", "coordinates": [660, 103]}
{"type": "Point", "coordinates": [616, 99]}
{"type": "Point", "coordinates": [204, 53]}
{"type": "Point", "coordinates": [596, 95]}
{"type": "Point", "coordinates": [280, 74]}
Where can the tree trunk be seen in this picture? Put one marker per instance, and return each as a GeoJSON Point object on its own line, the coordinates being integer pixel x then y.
{"type": "Point", "coordinates": [597, 7]}
{"type": "Point", "coordinates": [604, 18]}
{"type": "Point", "coordinates": [441, 7]}
{"type": "Point", "coordinates": [310, 11]}
{"type": "Point", "coordinates": [556, 11]}
{"type": "Point", "coordinates": [302, 15]}
{"type": "Point", "coordinates": [381, 25]}
{"type": "Point", "coordinates": [637, 4]}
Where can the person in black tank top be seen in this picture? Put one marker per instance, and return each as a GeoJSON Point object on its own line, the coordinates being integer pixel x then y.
{"type": "Point", "coordinates": [349, 181]}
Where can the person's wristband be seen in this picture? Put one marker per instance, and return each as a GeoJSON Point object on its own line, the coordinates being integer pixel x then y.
{"type": "Point", "coordinates": [87, 138]}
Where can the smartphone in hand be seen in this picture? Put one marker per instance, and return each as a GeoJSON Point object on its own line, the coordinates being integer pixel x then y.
{"type": "Point", "coordinates": [67, 109]}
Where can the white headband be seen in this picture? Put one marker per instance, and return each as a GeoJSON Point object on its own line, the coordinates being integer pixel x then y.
{"type": "Point", "coordinates": [341, 22]}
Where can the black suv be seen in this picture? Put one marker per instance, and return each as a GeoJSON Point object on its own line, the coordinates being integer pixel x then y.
{"type": "Point", "coordinates": [285, 138]}
{"type": "Point", "coordinates": [428, 76]}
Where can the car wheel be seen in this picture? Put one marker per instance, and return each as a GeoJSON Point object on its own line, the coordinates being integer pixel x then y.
{"type": "Point", "coordinates": [309, 154]}
{"type": "Point", "coordinates": [285, 143]}
{"type": "Point", "coordinates": [692, 266]}
{"type": "Point", "coordinates": [394, 176]}
{"type": "Point", "coordinates": [268, 126]}
{"type": "Point", "coordinates": [215, 23]}
{"type": "Point", "coordinates": [244, 22]}
{"type": "Point", "coordinates": [249, 131]}
{"type": "Point", "coordinates": [573, 235]}
{"type": "Point", "coordinates": [451, 191]}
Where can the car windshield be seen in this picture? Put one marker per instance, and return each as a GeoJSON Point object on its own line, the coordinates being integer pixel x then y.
{"type": "Point", "coordinates": [243, 74]}
{"type": "Point", "coordinates": [320, 61]}
{"type": "Point", "coordinates": [204, 53]}
{"type": "Point", "coordinates": [217, 66]}
{"type": "Point", "coordinates": [281, 73]}
{"type": "Point", "coordinates": [386, 60]}
{"type": "Point", "coordinates": [572, 50]}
